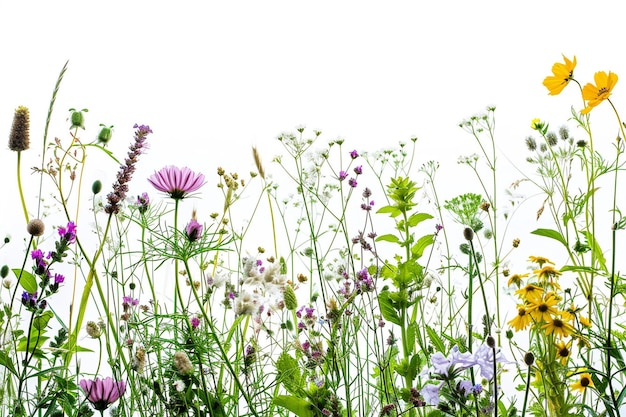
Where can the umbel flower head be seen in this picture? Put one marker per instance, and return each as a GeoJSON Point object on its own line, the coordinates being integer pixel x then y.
{"type": "Point", "coordinates": [177, 182]}
{"type": "Point", "coordinates": [562, 74]}
{"type": "Point", "coordinates": [101, 393]}
{"type": "Point", "coordinates": [19, 139]}
{"type": "Point", "coordinates": [596, 94]}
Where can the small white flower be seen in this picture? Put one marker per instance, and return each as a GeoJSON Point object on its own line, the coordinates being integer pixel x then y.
{"type": "Point", "coordinates": [179, 385]}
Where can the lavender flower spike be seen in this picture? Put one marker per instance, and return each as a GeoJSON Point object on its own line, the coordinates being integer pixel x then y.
{"type": "Point", "coordinates": [101, 393]}
{"type": "Point", "coordinates": [120, 187]}
{"type": "Point", "coordinates": [177, 182]}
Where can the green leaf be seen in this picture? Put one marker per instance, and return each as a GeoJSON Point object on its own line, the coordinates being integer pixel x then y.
{"type": "Point", "coordinates": [27, 280]}
{"type": "Point", "coordinates": [425, 241]}
{"type": "Point", "coordinates": [36, 341]}
{"type": "Point", "coordinates": [388, 238]}
{"type": "Point", "coordinates": [417, 218]}
{"type": "Point", "coordinates": [552, 234]}
{"type": "Point", "coordinates": [5, 361]}
{"type": "Point", "coordinates": [41, 321]}
{"type": "Point", "coordinates": [289, 372]}
{"type": "Point", "coordinates": [387, 309]}
{"type": "Point", "coordinates": [298, 406]}
{"type": "Point", "coordinates": [393, 211]}
{"type": "Point", "coordinates": [435, 340]}
{"type": "Point", "coordinates": [596, 251]}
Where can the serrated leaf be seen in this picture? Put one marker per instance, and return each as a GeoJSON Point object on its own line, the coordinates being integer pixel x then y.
{"type": "Point", "coordinates": [552, 234]}
{"type": "Point", "coordinates": [27, 280]}
{"type": "Point", "coordinates": [435, 340]}
{"type": "Point", "coordinates": [388, 238]}
{"type": "Point", "coordinates": [298, 406]}
{"type": "Point", "coordinates": [289, 372]}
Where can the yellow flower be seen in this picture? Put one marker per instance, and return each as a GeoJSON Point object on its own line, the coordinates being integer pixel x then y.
{"type": "Point", "coordinates": [522, 320]}
{"type": "Point", "coordinates": [584, 321]}
{"type": "Point", "coordinates": [530, 292]}
{"type": "Point", "coordinates": [596, 94]}
{"type": "Point", "coordinates": [563, 73]}
{"type": "Point", "coordinates": [547, 275]}
{"type": "Point", "coordinates": [558, 327]}
{"type": "Point", "coordinates": [544, 309]}
{"type": "Point", "coordinates": [584, 381]}
{"type": "Point", "coordinates": [516, 279]}
{"type": "Point", "coordinates": [540, 260]}
{"type": "Point", "coordinates": [563, 350]}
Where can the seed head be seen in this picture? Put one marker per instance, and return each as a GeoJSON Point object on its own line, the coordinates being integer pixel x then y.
{"type": "Point", "coordinates": [19, 139]}
{"type": "Point", "coordinates": [468, 234]}
{"type": "Point", "coordinates": [529, 358]}
{"type": "Point", "coordinates": [35, 227]}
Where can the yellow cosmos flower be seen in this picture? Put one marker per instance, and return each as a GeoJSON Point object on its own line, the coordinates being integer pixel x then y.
{"type": "Point", "coordinates": [596, 94]}
{"type": "Point", "coordinates": [584, 382]}
{"type": "Point", "coordinates": [544, 309]}
{"type": "Point", "coordinates": [562, 74]}
{"type": "Point", "coordinates": [522, 320]}
{"type": "Point", "coordinates": [558, 327]}
{"type": "Point", "coordinates": [516, 279]}
{"type": "Point", "coordinates": [563, 350]}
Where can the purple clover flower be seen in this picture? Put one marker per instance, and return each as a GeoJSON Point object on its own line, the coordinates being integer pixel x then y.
{"type": "Point", "coordinates": [177, 182]}
{"type": "Point", "coordinates": [101, 393]}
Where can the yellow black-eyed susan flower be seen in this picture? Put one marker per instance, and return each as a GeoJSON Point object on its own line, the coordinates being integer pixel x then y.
{"type": "Point", "coordinates": [584, 381]}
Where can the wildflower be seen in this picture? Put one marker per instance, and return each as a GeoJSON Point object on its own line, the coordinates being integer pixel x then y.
{"type": "Point", "coordinates": [35, 227]}
{"type": "Point", "coordinates": [484, 358]}
{"type": "Point", "coordinates": [343, 175]}
{"type": "Point", "coordinates": [547, 274]}
{"type": "Point", "coordinates": [93, 330]}
{"type": "Point", "coordinates": [596, 94]}
{"type": "Point", "coordinates": [563, 351]}
{"type": "Point", "coordinates": [540, 260]}
{"type": "Point", "coordinates": [543, 309]}
{"type": "Point", "coordinates": [182, 363]}
{"type": "Point", "coordinates": [584, 321]}
{"type": "Point", "coordinates": [124, 175]}
{"type": "Point", "coordinates": [358, 170]}
{"type": "Point", "coordinates": [530, 292]}
{"type": "Point", "coordinates": [195, 322]}
{"type": "Point", "coordinates": [193, 231]}
{"type": "Point", "coordinates": [354, 154]}
{"type": "Point", "coordinates": [68, 233]}
{"type": "Point", "coordinates": [522, 320]}
{"type": "Point", "coordinates": [101, 393]}
{"type": "Point", "coordinates": [179, 385]}
{"type": "Point", "coordinates": [177, 182]}
{"type": "Point", "coordinates": [143, 201]}
{"type": "Point", "coordinates": [19, 138]}
{"type": "Point", "coordinates": [558, 327]}
{"type": "Point", "coordinates": [537, 124]}
{"type": "Point", "coordinates": [584, 381]}
{"type": "Point", "coordinates": [352, 182]}
{"type": "Point", "coordinates": [430, 392]}
{"type": "Point", "coordinates": [562, 74]}
{"type": "Point", "coordinates": [516, 279]}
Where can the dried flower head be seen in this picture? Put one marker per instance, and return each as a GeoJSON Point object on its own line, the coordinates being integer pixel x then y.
{"type": "Point", "coordinates": [35, 227]}
{"type": "Point", "coordinates": [93, 330]}
{"type": "Point", "coordinates": [19, 138]}
{"type": "Point", "coordinates": [182, 363]}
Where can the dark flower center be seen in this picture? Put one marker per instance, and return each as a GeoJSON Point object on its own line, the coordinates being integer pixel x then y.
{"type": "Point", "coordinates": [543, 307]}
{"type": "Point", "coordinates": [584, 381]}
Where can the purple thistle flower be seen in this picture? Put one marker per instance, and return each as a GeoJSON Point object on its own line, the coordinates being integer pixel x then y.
{"type": "Point", "coordinates": [358, 170]}
{"type": "Point", "coordinates": [343, 175]}
{"type": "Point", "coordinates": [177, 182]}
{"type": "Point", "coordinates": [193, 231]}
{"type": "Point", "coordinates": [195, 322]}
{"type": "Point", "coordinates": [101, 393]}
{"type": "Point", "coordinates": [354, 154]}
{"type": "Point", "coordinates": [352, 182]}
{"type": "Point", "coordinates": [120, 187]}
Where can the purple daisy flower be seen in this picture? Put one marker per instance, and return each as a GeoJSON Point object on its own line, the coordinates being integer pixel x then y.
{"type": "Point", "coordinates": [101, 393]}
{"type": "Point", "coordinates": [177, 182]}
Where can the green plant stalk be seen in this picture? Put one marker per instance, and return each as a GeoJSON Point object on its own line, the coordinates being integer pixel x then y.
{"type": "Point", "coordinates": [19, 186]}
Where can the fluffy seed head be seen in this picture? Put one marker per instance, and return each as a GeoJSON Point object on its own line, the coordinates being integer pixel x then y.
{"type": "Point", "coordinates": [35, 227]}
{"type": "Point", "coordinates": [19, 139]}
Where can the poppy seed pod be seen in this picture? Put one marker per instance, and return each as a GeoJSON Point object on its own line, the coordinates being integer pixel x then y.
{"type": "Point", "coordinates": [19, 138]}
{"type": "Point", "coordinates": [529, 358]}
{"type": "Point", "coordinates": [96, 187]}
{"type": "Point", "coordinates": [468, 234]}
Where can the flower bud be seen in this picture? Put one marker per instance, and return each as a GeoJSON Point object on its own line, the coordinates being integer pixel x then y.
{"type": "Point", "coordinates": [19, 138]}
{"type": "Point", "coordinates": [291, 301]}
{"type": "Point", "coordinates": [468, 234]}
{"type": "Point", "coordinates": [105, 134]}
{"type": "Point", "coordinates": [35, 227]}
{"type": "Point", "coordinates": [77, 118]}
{"type": "Point", "coordinates": [96, 187]}
{"type": "Point", "coordinates": [529, 358]}
{"type": "Point", "coordinates": [4, 271]}
{"type": "Point", "coordinates": [491, 342]}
